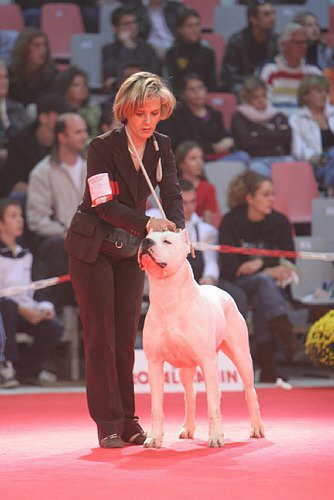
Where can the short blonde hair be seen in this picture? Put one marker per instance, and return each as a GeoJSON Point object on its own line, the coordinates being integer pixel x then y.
{"type": "Point", "coordinates": [136, 90]}
{"type": "Point", "coordinates": [308, 83]}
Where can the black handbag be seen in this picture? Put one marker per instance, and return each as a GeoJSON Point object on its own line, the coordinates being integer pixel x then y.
{"type": "Point", "coordinates": [120, 243]}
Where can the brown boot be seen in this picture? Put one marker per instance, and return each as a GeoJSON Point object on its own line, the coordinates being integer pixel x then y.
{"type": "Point", "coordinates": [281, 327]}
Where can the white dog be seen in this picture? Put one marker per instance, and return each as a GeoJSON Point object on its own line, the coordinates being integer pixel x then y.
{"type": "Point", "coordinates": [186, 325]}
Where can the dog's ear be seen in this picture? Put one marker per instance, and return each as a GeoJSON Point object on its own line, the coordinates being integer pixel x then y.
{"type": "Point", "coordinates": [185, 236]}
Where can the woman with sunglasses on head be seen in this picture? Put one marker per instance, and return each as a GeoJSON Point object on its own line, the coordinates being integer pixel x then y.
{"type": "Point", "coordinates": [102, 243]}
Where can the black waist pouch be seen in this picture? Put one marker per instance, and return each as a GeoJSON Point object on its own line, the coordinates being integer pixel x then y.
{"type": "Point", "coordinates": [120, 243]}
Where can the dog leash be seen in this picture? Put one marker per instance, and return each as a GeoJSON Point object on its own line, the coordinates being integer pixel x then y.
{"type": "Point", "coordinates": [154, 194]}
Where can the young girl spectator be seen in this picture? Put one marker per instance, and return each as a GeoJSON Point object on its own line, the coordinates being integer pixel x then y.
{"type": "Point", "coordinates": [260, 129]}
{"type": "Point", "coordinates": [318, 53]}
{"type": "Point", "coordinates": [32, 69]}
{"type": "Point", "coordinates": [190, 163]}
{"type": "Point", "coordinates": [313, 130]}
{"type": "Point", "coordinates": [72, 85]}
{"type": "Point", "coordinates": [252, 222]}
{"type": "Point", "coordinates": [188, 55]}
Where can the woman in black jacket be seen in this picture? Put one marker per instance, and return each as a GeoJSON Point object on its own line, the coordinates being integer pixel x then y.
{"type": "Point", "coordinates": [252, 222]}
{"type": "Point", "coordinates": [107, 281]}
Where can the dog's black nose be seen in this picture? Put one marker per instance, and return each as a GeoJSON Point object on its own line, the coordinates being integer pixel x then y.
{"type": "Point", "coordinates": [146, 244]}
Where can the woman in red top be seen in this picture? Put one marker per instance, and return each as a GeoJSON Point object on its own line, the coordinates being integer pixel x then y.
{"type": "Point", "coordinates": [189, 162]}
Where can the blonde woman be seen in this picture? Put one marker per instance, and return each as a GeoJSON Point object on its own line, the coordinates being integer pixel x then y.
{"type": "Point", "coordinates": [108, 283]}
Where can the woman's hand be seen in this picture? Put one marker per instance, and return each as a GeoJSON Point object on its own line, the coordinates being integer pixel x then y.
{"type": "Point", "coordinates": [224, 145]}
{"type": "Point", "coordinates": [250, 267]}
{"type": "Point", "coordinates": [32, 315]}
{"type": "Point", "coordinates": [160, 225]}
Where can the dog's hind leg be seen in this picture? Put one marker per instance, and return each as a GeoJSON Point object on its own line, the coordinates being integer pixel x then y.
{"type": "Point", "coordinates": [209, 368]}
{"type": "Point", "coordinates": [187, 379]}
{"type": "Point", "coordinates": [236, 347]}
{"type": "Point", "coordinates": [156, 379]}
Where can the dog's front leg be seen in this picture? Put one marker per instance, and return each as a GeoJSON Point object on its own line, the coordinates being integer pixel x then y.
{"type": "Point", "coordinates": [187, 379]}
{"type": "Point", "coordinates": [210, 373]}
{"type": "Point", "coordinates": [156, 380]}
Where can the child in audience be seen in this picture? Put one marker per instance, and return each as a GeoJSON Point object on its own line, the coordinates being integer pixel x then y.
{"type": "Point", "coordinates": [22, 312]}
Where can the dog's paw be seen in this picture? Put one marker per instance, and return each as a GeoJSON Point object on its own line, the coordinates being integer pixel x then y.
{"type": "Point", "coordinates": [216, 441]}
{"type": "Point", "coordinates": [153, 442]}
{"type": "Point", "coordinates": [257, 432]}
{"type": "Point", "coordinates": [186, 433]}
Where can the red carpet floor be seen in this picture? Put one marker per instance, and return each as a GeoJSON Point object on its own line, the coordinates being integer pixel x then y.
{"type": "Point", "coordinates": [48, 450]}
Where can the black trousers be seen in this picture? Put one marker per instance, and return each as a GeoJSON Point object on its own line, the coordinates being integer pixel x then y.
{"type": "Point", "coordinates": [47, 335]}
{"type": "Point", "coordinates": [109, 293]}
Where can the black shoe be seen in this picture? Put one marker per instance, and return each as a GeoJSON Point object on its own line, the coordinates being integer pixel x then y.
{"type": "Point", "coordinates": [282, 327]}
{"type": "Point", "coordinates": [112, 441]}
{"type": "Point", "coordinates": [135, 435]}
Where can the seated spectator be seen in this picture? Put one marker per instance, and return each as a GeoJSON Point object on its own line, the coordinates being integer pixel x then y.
{"type": "Point", "coordinates": [284, 74]}
{"type": "Point", "coordinates": [32, 143]}
{"type": "Point", "coordinates": [157, 23]}
{"type": "Point", "coordinates": [189, 162]}
{"type": "Point", "coordinates": [107, 121]}
{"type": "Point", "coordinates": [7, 42]}
{"type": "Point", "coordinates": [125, 70]}
{"type": "Point", "coordinates": [31, 69]}
{"type": "Point", "coordinates": [7, 372]}
{"type": "Point", "coordinates": [260, 129]}
{"type": "Point", "coordinates": [71, 84]}
{"type": "Point", "coordinates": [313, 130]}
{"type": "Point", "coordinates": [205, 264]}
{"type": "Point", "coordinates": [13, 117]}
{"type": "Point", "coordinates": [55, 189]}
{"type": "Point", "coordinates": [189, 55]}
{"type": "Point", "coordinates": [251, 47]}
{"type": "Point", "coordinates": [318, 53]}
{"type": "Point", "coordinates": [127, 46]}
{"type": "Point", "coordinates": [22, 312]}
{"type": "Point", "coordinates": [252, 222]}
{"type": "Point", "coordinates": [194, 120]}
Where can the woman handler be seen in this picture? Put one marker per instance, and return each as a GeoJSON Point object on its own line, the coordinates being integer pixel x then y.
{"type": "Point", "coordinates": [102, 242]}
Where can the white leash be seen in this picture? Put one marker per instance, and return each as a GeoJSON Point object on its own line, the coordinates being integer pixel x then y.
{"type": "Point", "coordinates": [154, 194]}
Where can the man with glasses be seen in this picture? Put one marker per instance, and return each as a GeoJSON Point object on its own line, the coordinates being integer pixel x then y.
{"type": "Point", "coordinates": [251, 47]}
{"type": "Point", "coordinates": [284, 74]}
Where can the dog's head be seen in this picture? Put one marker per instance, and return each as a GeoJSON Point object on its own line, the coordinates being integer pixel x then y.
{"type": "Point", "coordinates": [161, 254]}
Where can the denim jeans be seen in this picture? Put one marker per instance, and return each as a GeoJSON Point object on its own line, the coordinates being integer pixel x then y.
{"type": "Point", "coordinates": [267, 302]}
{"type": "Point", "coordinates": [262, 164]}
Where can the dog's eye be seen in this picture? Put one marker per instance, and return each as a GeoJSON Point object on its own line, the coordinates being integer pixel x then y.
{"type": "Point", "coordinates": [167, 242]}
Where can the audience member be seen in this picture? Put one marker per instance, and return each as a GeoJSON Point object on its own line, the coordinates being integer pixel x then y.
{"type": "Point", "coordinates": [313, 130]}
{"type": "Point", "coordinates": [251, 47]}
{"type": "Point", "coordinates": [125, 70]}
{"type": "Point", "coordinates": [7, 372]}
{"type": "Point", "coordinates": [127, 46]}
{"type": "Point", "coordinates": [194, 120]}
{"type": "Point", "coordinates": [252, 222]}
{"type": "Point", "coordinates": [260, 129]}
{"type": "Point", "coordinates": [189, 55]}
{"type": "Point", "coordinates": [288, 68]}
{"type": "Point", "coordinates": [107, 121]}
{"type": "Point", "coordinates": [71, 84]}
{"type": "Point", "coordinates": [318, 53]}
{"type": "Point", "coordinates": [190, 164]}
{"type": "Point", "coordinates": [157, 22]}
{"type": "Point", "coordinates": [55, 189]}
{"type": "Point", "coordinates": [32, 143]}
{"type": "Point", "coordinates": [13, 117]}
{"type": "Point", "coordinates": [22, 312]}
{"type": "Point", "coordinates": [7, 42]}
{"type": "Point", "coordinates": [204, 264]}
{"type": "Point", "coordinates": [31, 69]}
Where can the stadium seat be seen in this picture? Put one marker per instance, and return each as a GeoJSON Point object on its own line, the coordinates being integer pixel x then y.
{"type": "Point", "coordinates": [313, 273]}
{"type": "Point", "coordinates": [87, 55]}
{"type": "Point", "coordinates": [225, 103]}
{"type": "Point", "coordinates": [228, 19]}
{"type": "Point", "coordinates": [217, 43]}
{"type": "Point", "coordinates": [60, 21]}
{"type": "Point", "coordinates": [220, 175]}
{"type": "Point", "coordinates": [205, 8]}
{"type": "Point", "coordinates": [323, 218]}
{"type": "Point", "coordinates": [11, 17]}
{"type": "Point", "coordinates": [295, 184]}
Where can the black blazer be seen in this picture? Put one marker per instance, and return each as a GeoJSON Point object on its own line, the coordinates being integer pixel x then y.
{"type": "Point", "coordinates": [109, 153]}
